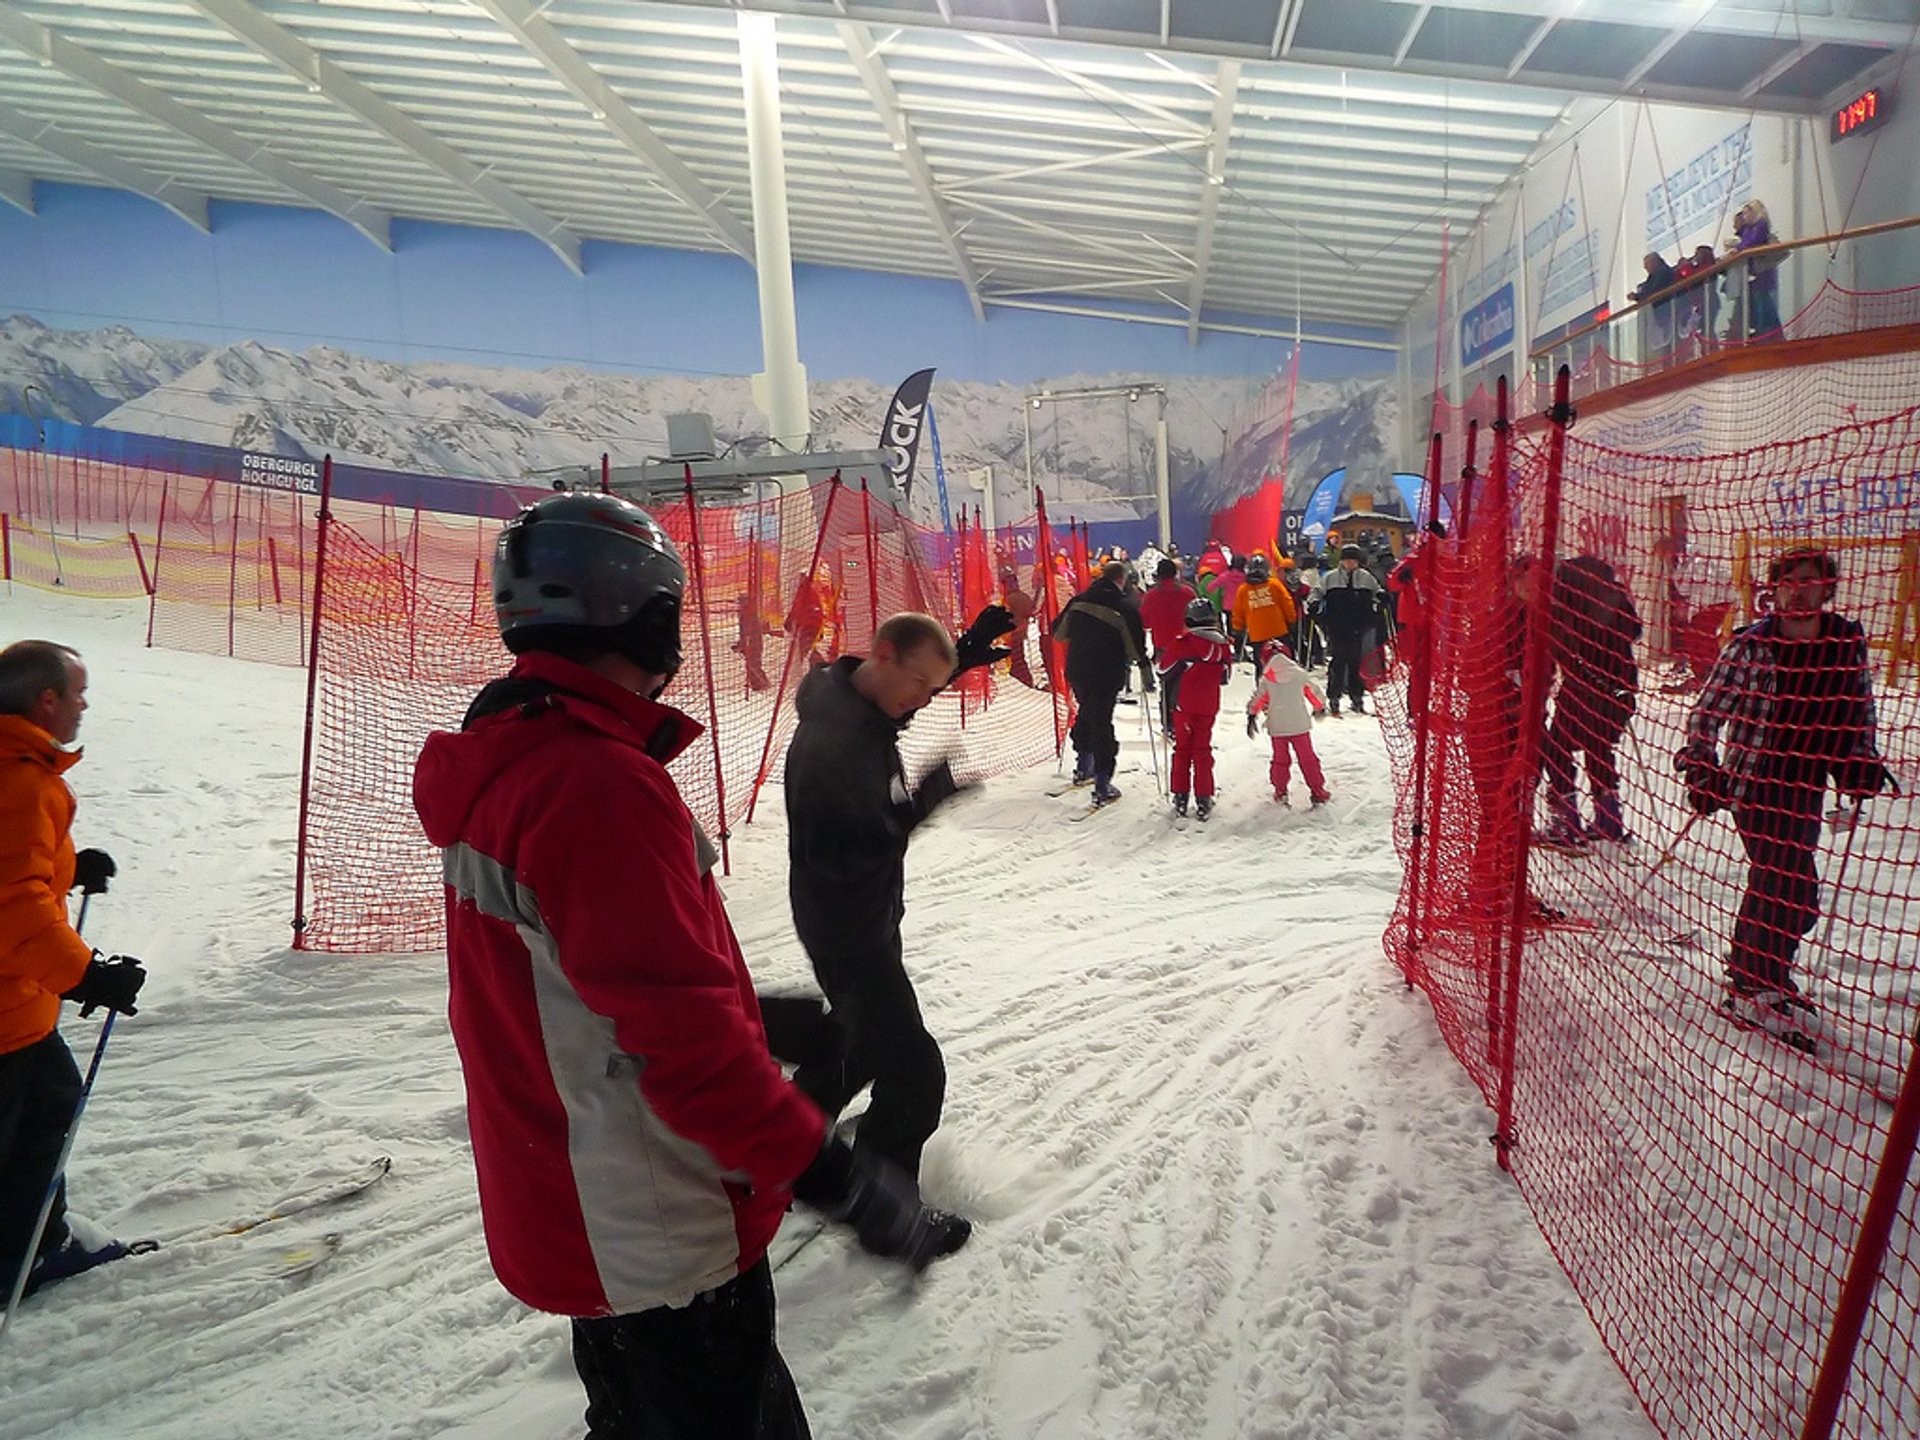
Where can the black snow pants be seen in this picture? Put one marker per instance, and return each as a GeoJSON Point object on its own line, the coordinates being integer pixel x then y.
{"type": "Point", "coordinates": [888, 1046]}
{"type": "Point", "coordinates": [39, 1091]}
{"type": "Point", "coordinates": [1779, 823]}
{"type": "Point", "coordinates": [708, 1370]}
{"type": "Point", "coordinates": [1343, 667]}
{"type": "Point", "coordinates": [1092, 733]}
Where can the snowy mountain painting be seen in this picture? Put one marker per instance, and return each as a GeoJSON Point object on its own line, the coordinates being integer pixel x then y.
{"type": "Point", "coordinates": [1093, 457]}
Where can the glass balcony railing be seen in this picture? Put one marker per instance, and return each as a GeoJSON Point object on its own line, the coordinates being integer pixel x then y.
{"type": "Point", "coordinates": [1830, 285]}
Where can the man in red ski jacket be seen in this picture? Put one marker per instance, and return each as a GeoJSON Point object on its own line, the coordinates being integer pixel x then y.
{"type": "Point", "coordinates": [635, 1144]}
{"type": "Point", "coordinates": [1163, 610]}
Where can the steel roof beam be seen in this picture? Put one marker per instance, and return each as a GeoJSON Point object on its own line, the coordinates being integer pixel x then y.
{"type": "Point", "coordinates": [540, 39]}
{"type": "Point", "coordinates": [1055, 167]}
{"type": "Point", "coordinates": [1219, 327]}
{"type": "Point", "coordinates": [1413, 33]}
{"type": "Point", "coordinates": [17, 190]}
{"type": "Point", "coordinates": [190, 205]}
{"type": "Point", "coordinates": [1662, 48]}
{"type": "Point", "coordinates": [84, 65]}
{"type": "Point", "coordinates": [291, 53]}
{"type": "Point", "coordinates": [1096, 88]}
{"type": "Point", "coordinates": [1779, 67]}
{"type": "Point", "coordinates": [1713, 19]}
{"type": "Point", "coordinates": [1532, 43]}
{"type": "Point", "coordinates": [1212, 182]}
{"type": "Point", "coordinates": [886, 100]}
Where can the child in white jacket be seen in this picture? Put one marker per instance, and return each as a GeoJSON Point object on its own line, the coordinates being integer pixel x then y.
{"type": "Point", "coordinates": [1284, 693]}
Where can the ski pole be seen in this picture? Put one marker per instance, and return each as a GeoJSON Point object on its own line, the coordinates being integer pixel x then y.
{"type": "Point", "coordinates": [66, 1149]}
{"type": "Point", "coordinates": [1839, 873]}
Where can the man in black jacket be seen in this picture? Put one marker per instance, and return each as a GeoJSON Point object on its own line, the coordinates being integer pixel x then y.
{"type": "Point", "coordinates": [1103, 633]}
{"type": "Point", "coordinates": [849, 816]}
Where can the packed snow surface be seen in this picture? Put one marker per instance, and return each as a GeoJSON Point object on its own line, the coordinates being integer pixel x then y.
{"type": "Point", "coordinates": [1227, 1181]}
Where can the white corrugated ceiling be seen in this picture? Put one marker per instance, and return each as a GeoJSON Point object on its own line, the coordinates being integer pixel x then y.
{"type": "Point", "coordinates": [1213, 163]}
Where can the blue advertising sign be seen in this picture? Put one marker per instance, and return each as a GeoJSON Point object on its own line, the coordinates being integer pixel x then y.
{"type": "Point", "coordinates": [1488, 327]}
{"type": "Point", "coordinates": [1319, 513]}
{"type": "Point", "coordinates": [1413, 495]}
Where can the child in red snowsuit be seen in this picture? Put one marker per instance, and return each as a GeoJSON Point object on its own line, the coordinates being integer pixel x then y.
{"type": "Point", "coordinates": [1283, 694]}
{"type": "Point", "coordinates": [1203, 658]}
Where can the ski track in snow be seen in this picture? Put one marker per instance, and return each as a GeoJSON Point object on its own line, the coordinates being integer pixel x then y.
{"type": "Point", "coordinates": [1228, 1183]}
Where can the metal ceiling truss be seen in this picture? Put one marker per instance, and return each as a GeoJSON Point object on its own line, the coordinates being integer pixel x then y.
{"type": "Point", "coordinates": [1205, 164]}
{"type": "Point", "coordinates": [322, 75]}
{"type": "Point", "coordinates": [60, 53]}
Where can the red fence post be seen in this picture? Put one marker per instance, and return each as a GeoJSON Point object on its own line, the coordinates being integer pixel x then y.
{"type": "Point", "coordinates": [1869, 1252]}
{"type": "Point", "coordinates": [1419, 704]}
{"type": "Point", "coordinates": [6, 547]}
{"type": "Point", "coordinates": [786, 670]}
{"type": "Point", "coordinates": [1049, 650]}
{"type": "Point", "coordinates": [1524, 766]}
{"type": "Point", "coordinates": [873, 573]}
{"type": "Point", "coordinates": [273, 569]}
{"type": "Point", "coordinates": [233, 569]}
{"type": "Point", "coordinates": [706, 657]}
{"type": "Point", "coordinates": [321, 521]}
{"type": "Point", "coordinates": [146, 580]}
{"type": "Point", "coordinates": [159, 549]}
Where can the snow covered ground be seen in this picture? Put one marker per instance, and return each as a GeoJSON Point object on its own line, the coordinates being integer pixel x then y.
{"type": "Point", "coordinates": [1229, 1183]}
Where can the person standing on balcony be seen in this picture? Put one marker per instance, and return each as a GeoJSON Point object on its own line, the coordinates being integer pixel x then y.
{"type": "Point", "coordinates": [1752, 229]}
{"type": "Point", "coordinates": [1661, 277]}
{"type": "Point", "coordinates": [1793, 694]}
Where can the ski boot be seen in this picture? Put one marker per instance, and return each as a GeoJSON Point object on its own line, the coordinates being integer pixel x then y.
{"type": "Point", "coordinates": [1607, 822]}
{"type": "Point", "coordinates": [1180, 804]}
{"type": "Point", "coordinates": [1203, 807]}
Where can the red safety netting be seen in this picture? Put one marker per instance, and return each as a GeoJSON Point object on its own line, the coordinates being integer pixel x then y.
{"type": "Point", "coordinates": [774, 588]}
{"type": "Point", "coordinates": [1699, 1038]}
{"type": "Point", "coordinates": [406, 636]}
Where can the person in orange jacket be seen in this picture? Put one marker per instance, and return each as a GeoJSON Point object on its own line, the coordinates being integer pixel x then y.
{"type": "Point", "coordinates": [43, 693]}
{"type": "Point", "coordinates": [1263, 610]}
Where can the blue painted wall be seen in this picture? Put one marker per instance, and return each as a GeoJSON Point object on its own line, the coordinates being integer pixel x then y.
{"type": "Point", "coordinates": [295, 278]}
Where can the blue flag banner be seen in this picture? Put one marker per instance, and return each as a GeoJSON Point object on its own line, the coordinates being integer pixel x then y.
{"type": "Point", "coordinates": [1413, 494]}
{"type": "Point", "coordinates": [1321, 506]}
{"type": "Point", "coordinates": [939, 470]}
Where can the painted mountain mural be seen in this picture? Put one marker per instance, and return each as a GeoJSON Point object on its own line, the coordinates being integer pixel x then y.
{"type": "Point", "coordinates": [1092, 456]}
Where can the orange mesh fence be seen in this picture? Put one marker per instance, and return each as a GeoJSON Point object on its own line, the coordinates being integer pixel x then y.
{"type": "Point", "coordinates": [1660, 844]}
{"type": "Point", "coordinates": [774, 588]}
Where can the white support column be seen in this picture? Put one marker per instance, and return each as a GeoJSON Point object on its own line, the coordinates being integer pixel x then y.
{"type": "Point", "coordinates": [780, 390]}
{"type": "Point", "coordinates": [1522, 290]}
{"type": "Point", "coordinates": [1162, 484]}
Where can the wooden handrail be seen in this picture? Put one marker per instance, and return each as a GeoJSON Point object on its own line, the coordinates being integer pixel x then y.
{"type": "Point", "coordinates": [1725, 263]}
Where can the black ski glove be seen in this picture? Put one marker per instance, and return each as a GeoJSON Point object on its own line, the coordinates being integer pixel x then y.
{"type": "Point", "coordinates": [874, 1196]}
{"type": "Point", "coordinates": [935, 790]}
{"type": "Point", "coordinates": [1861, 776]}
{"type": "Point", "coordinates": [1147, 682]}
{"type": "Point", "coordinates": [975, 647]}
{"type": "Point", "coordinates": [111, 983]}
{"type": "Point", "coordinates": [1709, 786]}
{"type": "Point", "coordinates": [1253, 725]}
{"type": "Point", "coordinates": [91, 871]}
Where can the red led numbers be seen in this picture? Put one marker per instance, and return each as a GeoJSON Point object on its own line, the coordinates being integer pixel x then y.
{"type": "Point", "coordinates": [1866, 111]}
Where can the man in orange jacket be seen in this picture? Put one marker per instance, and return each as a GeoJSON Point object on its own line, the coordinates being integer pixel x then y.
{"type": "Point", "coordinates": [43, 692]}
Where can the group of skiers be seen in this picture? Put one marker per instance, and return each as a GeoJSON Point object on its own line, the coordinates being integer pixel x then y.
{"type": "Point", "coordinates": [1194, 646]}
{"type": "Point", "coordinates": [635, 1139]}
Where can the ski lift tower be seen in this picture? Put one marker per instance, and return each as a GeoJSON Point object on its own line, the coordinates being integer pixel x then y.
{"type": "Point", "coordinates": [1160, 493]}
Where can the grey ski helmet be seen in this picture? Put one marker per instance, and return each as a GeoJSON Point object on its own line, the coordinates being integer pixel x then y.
{"type": "Point", "coordinates": [1257, 571]}
{"type": "Point", "coordinates": [580, 572]}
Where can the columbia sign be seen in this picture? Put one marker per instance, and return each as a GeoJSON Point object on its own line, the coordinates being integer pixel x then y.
{"type": "Point", "coordinates": [1487, 328]}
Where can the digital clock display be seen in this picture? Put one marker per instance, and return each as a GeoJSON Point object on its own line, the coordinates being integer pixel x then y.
{"type": "Point", "coordinates": [1866, 111]}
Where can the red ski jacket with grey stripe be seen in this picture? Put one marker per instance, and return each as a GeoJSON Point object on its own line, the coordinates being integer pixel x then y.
{"type": "Point", "coordinates": [634, 1141]}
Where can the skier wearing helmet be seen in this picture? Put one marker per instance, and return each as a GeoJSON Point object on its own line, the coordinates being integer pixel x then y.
{"type": "Point", "coordinates": [635, 1144]}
